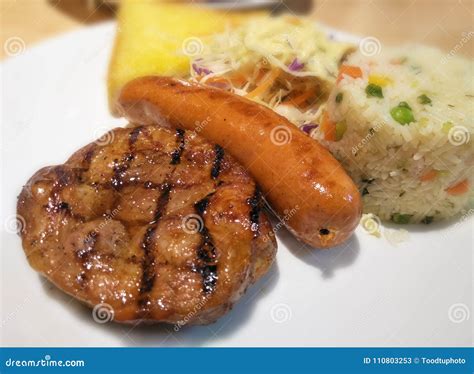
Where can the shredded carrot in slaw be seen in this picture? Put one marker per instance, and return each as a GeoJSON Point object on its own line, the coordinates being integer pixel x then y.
{"type": "Point", "coordinates": [267, 82]}
{"type": "Point", "coordinates": [301, 98]}
{"type": "Point", "coordinates": [237, 79]}
{"type": "Point", "coordinates": [328, 127]}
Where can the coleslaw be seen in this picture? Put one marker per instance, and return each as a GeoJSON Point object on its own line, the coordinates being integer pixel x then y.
{"type": "Point", "coordinates": [286, 63]}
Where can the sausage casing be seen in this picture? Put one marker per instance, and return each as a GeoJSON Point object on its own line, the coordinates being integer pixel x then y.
{"type": "Point", "coordinates": [303, 183]}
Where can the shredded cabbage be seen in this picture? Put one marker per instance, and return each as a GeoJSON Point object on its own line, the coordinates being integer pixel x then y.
{"type": "Point", "coordinates": [286, 63]}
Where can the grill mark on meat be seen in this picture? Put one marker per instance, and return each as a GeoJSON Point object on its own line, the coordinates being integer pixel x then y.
{"type": "Point", "coordinates": [176, 154]}
{"type": "Point", "coordinates": [133, 136]}
{"type": "Point", "coordinates": [148, 262]}
{"type": "Point", "coordinates": [255, 209]}
{"type": "Point", "coordinates": [63, 177]}
{"type": "Point", "coordinates": [63, 206]}
{"type": "Point", "coordinates": [206, 252]}
{"type": "Point", "coordinates": [89, 243]}
{"type": "Point", "coordinates": [55, 204]}
{"type": "Point", "coordinates": [148, 273]}
{"type": "Point", "coordinates": [83, 255]}
{"type": "Point", "coordinates": [88, 157]}
{"type": "Point", "coordinates": [202, 204]}
{"type": "Point", "coordinates": [86, 249]}
{"type": "Point", "coordinates": [119, 169]}
{"type": "Point", "coordinates": [209, 277]}
{"type": "Point", "coordinates": [216, 165]}
{"type": "Point", "coordinates": [162, 202]}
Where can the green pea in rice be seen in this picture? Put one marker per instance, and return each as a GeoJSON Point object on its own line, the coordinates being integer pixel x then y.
{"type": "Point", "coordinates": [423, 123]}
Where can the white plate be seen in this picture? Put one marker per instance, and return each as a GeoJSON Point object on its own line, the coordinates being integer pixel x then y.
{"type": "Point", "coordinates": [366, 293]}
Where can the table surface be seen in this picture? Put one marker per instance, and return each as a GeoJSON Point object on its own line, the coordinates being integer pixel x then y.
{"type": "Point", "coordinates": [447, 24]}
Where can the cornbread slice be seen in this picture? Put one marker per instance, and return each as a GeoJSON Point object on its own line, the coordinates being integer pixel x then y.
{"type": "Point", "coordinates": [156, 37]}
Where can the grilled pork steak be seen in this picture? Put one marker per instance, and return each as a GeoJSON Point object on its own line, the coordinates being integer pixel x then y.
{"type": "Point", "coordinates": [157, 223]}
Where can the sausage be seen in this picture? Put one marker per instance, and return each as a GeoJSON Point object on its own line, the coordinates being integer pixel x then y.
{"type": "Point", "coordinates": [304, 184]}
